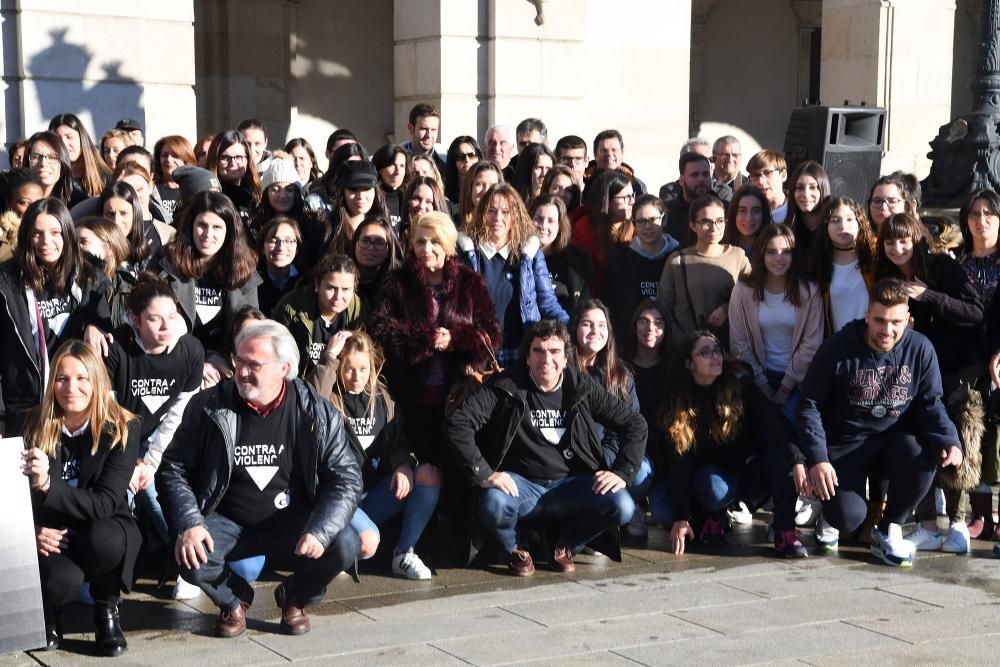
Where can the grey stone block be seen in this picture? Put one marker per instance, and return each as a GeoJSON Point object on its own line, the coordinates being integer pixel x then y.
{"type": "Point", "coordinates": [933, 624]}
{"type": "Point", "coordinates": [411, 655]}
{"type": "Point", "coordinates": [943, 595]}
{"type": "Point", "coordinates": [794, 582]}
{"type": "Point", "coordinates": [950, 652]}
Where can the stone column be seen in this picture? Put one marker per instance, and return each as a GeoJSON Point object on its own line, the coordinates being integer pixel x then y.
{"type": "Point", "coordinates": [101, 60]}
{"type": "Point", "coordinates": [896, 54]}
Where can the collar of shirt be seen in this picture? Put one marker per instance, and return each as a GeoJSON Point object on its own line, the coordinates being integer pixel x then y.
{"type": "Point", "coordinates": [78, 432]}
{"type": "Point", "coordinates": [489, 251]}
{"type": "Point", "coordinates": [270, 407]}
{"type": "Point", "coordinates": [555, 388]}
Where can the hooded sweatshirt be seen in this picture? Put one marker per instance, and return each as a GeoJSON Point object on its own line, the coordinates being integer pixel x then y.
{"type": "Point", "coordinates": [634, 273]}
{"type": "Point", "coordinates": [852, 392]}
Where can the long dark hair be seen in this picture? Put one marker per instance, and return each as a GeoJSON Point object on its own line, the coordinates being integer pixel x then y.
{"type": "Point", "coordinates": [452, 179]}
{"type": "Point", "coordinates": [605, 186]}
{"type": "Point", "coordinates": [758, 271]}
{"type": "Point", "coordinates": [233, 265]}
{"type": "Point", "coordinates": [64, 187]}
{"type": "Point", "coordinates": [394, 253]}
{"type": "Point", "coordinates": [524, 172]}
{"type": "Point", "coordinates": [138, 245]}
{"type": "Point", "coordinates": [819, 264]}
{"type": "Point", "coordinates": [223, 140]}
{"type": "Point", "coordinates": [991, 198]}
{"type": "Point", "coordinates": [299, 142]}
{"type": "Point", "coordinates": [327, 184]}
{"type": "Point", "coordinates": [732, 233]}
{"type": "Point", "coordinates": [630, 347]}
{"type": "Point", "coordinates": [615, 374]}
{"type": "Point", "coordinates": [93, 170]}
{"type": "Point", "coordinates": [901, 226]}
{"type": "Point", "coordinates": [70, 264]}
{"type": "Point", "coordinates": [682, 414]}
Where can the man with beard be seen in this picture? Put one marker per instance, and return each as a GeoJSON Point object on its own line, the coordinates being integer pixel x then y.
{"type": "Point", "coordinates": [695, 181]}
{"type": "Point", "coordinates": [261, 464]}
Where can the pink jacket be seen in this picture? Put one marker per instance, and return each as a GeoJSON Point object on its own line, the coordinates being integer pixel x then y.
{"type": "Point", "coordinates": [748, 345]}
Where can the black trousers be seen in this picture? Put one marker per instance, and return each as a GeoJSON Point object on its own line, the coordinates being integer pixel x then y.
{"type": "Point", "coordinates": [895, 456]}
{"type": "Point", "coordinates": [96, 553]}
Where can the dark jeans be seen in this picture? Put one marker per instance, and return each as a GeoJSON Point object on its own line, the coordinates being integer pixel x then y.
{"type": "Point", "coordinates": [895, 456]}
{"type": "Point", "coordinates": [714, 488]}
{"type": "Point", "coordinates": [581, 513]}
{"type": "Point", "coordinates": [97, 554]}
{"type": "Point", "coordinates": [276, 539]}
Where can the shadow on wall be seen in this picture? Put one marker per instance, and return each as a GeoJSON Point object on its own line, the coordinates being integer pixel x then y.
{"type": "Point", "coordinates": [58, 72]}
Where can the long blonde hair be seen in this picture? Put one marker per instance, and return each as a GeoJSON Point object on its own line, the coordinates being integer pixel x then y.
{"type": "Point", "coordinates": [521, 226]}
{"type": "Point", "coordinates": [361, 342]}
{"type": "Point", "coordinates": [43, 428]}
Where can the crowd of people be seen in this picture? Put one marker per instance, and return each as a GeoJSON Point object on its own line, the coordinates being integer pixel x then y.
{"type": "Point", "coordinates": [247, 360]}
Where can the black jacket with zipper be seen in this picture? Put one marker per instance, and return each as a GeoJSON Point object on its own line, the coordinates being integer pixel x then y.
{"type": "Point", "coordinates": [194, 474]}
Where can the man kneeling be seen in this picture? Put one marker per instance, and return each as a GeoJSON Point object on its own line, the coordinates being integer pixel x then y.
{"type": "Point", "coordinates": [527, 439]}
{"type": "Point", "coordinates": [261, 464]}
{"type": "Point", "coordinates": [871, 405]}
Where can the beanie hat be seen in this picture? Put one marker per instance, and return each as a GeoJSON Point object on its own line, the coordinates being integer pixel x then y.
{"type": "Point", "coordinates": [193, 179]}
{"type": "Point", "coordinates": [280, 171]}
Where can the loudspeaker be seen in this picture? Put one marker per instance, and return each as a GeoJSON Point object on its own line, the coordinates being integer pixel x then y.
{"type": "Point", "coordinates": [847, 141]}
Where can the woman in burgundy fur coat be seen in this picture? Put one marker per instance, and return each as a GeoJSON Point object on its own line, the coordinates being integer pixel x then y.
{"type": "Point", "coordinates": [434, 318]}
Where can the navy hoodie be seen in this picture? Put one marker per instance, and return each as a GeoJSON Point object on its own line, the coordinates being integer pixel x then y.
{"type": "Point", "coordinates": [852, 392]}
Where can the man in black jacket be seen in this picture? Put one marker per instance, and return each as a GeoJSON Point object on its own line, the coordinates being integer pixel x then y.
{"type": "Point", "coordinates": [261, 464]}
{"type": "Point", "coordinates": [528, 441]}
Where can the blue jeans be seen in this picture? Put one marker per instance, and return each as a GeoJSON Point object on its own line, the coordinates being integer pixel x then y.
{"type": "Point", "coordinates": [276, 539]}
{"type": "Point", "coordinates": [581, 513]}
{"type": "Point", "coordinates": [643, 481]}
{"type": "Point", "coordinates": [715, 488]}
{"type": "Point", "coordinates": [379, 505]}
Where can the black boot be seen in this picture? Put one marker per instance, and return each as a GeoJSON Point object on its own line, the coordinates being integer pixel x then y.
{"type": "Point", "coordinates": [53, 629]}
{"type": "Point", "coordinates": [109, 637]}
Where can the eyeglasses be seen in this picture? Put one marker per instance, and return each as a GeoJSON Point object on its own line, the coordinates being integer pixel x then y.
{"type": "Point", "coordinates": [707, 224]}
{"type": "Point", "coordinates": [254, 366]}
{"type": "Point", "coordinates": [468, 156]}
{"type": "Point", "coordinates": [373, 242]}
{"type": "Point", "coordinates": [277, 243]}
{"type": "Point", "coordinates": [626, 198]}
{"type": "Point", "coordinates": [764, 173]}
{"type": "Point", "coordinates": [879, 202]}
{"type": "Point", "coordinates": [232, 159]}
{"type": "Point", "coordinates": [38, 158]}
{"type": "Point", "coordinates": [709, 352]}
{"type": "Point", "coordinates": [639, 222]}
{"type": "Point", "coordinates": [646, 322]}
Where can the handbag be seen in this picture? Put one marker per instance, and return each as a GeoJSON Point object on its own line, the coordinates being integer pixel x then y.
{"type": "Point", "coordinates": [472, 380]}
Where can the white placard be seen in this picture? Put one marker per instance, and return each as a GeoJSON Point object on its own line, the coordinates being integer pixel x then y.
{"type": "Point", "coordinates": [22, 624]}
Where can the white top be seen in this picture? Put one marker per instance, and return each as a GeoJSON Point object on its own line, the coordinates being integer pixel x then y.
{"type": "Point", "coordinates": [777, 323]}
{"type": "Point", "coordinates": [848, 295]}
{"type": "Point", "coordinates": [779, 214]}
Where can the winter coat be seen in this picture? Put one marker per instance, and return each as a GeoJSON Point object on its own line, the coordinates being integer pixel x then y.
{"type": "Point", "coordinates": [634, 275]}
{"type": "Point", "coordinates": [298, 311]}
{"type": "Point", "coordinates": [570, 270]}
{"type": "Point", "coordinates": [195, 470]}
{"type": "Point", "coordinates": [538, 301]}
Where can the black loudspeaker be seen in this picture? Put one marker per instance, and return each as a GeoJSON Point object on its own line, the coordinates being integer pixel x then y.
{"type": "Point", "coordinates": [847, 141]}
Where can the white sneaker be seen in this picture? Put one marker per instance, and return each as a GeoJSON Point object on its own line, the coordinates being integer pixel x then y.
{"type": "Point", "coordinates": [925, 540]}
{"type": "Point", "coordinates": [891, 547]}
{"type": "Point", "coordinates": [740, 514]}
{"type": "Point", "coordinates": [827, 537]}
{"type": "Point", "coordinates": [958, 539]}
{"type": "Point", "coordinates": [807, 511]}
{"type": "Point", "coordinates": [409, 565]}
{"type": "Point", "coordinates": [185, 591]}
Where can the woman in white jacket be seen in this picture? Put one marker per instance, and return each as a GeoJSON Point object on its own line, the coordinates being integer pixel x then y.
{"type": "Point", "coordinates": [776, 318]}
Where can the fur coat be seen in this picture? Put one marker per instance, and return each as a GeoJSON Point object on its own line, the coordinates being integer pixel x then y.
{"type": "Point", "coordinates": [407, 316]}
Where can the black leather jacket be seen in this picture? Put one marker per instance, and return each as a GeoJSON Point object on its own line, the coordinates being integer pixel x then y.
{"type": "Point", "coordinates": [194, 473]}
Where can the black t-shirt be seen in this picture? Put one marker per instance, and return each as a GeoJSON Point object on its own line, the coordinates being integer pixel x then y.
{"type": "Point", "coordinates": [55, 312]}
{"type": "Point", "coordinates": [147, 384]}
{"type": "Point", "coordinates": [169, 198]}
{"type": "Point", "coordinates": [364, 424]}
{"type": "Point", "coordinates": [208, 304]}
{"type": "Point", "coordinates": [265, 478]}
{"type": "Point", "coordinates": [540, 450]}
{"type": "Point", "coordinates": [71, 449]}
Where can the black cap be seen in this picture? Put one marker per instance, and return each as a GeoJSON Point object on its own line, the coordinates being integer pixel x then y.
{"type": "Point", "coordinates": [357, 175]}
{"type": "Point", "coordinates": [128, 124]}
{"type": "Point", "coordinates": [193, 179]}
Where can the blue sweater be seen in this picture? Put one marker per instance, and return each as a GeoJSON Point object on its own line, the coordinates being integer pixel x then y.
{"type": "Point", "coordinates": [852, 392]}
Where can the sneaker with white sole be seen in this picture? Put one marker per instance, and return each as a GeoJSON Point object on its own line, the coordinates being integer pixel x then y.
{"type": "Point", "coordinates": [807, 511]}
{"type": "Point", "coordinates": [740, 514]}
{"type": "Point", "coordinates": [958, 539]}
{"type": "Point", "coordinates": [827, 537]}
{"type": "Point", "coordinates": [925, 540]}
{"type": "Point", "coordinates": [891, 547]}
{"type": "Point", "coordinates": [409, 565]}
{"type": "Point", "coordinates": [185, 591]}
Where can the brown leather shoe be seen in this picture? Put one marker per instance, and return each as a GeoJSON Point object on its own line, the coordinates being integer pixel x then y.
{"type": "Point", "coordinates": [520, 563]}
{"type": "Point", "coordinates": [562, 559]}
{"type": "Point", "coordinates": [294, 620]}
{"type": "Point", "coordinates": [233, 623]}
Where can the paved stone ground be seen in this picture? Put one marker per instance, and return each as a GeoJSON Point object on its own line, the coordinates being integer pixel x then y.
{"type": "Point", "coordinates": [735, 604]}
